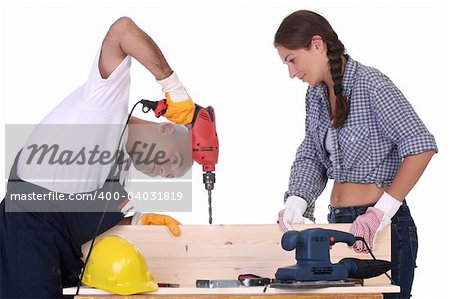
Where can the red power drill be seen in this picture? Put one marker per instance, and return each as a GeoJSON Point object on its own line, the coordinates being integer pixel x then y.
{"type": "Point", "coordinates": [205, 143]}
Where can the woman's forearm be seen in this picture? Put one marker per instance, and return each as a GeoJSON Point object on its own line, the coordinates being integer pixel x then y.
{"type": "Point", "coordinates": [409, 173]}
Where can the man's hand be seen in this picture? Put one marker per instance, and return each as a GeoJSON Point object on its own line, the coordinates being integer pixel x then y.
{"type": "Point", "coordinates": [180, 107]}
{"type": "Point", "coordinates": [373, 221]}
{"type": "Point", "coordinates": [157, 219]}
{"type": "Point", "coordinates": [292, 213]}
{"type": "Point", "coordinates": [181, 112]}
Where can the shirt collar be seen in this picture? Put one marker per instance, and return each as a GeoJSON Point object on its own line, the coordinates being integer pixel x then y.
{"type": "Point", "coordinates": [349, 77]}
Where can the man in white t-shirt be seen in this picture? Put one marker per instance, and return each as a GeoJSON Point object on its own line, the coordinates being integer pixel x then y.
{"type": "Point", "coordinates": [40, 252]}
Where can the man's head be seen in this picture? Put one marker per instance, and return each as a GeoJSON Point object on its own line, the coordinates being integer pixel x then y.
{"type": "Point", "coordinates": [159, 149]}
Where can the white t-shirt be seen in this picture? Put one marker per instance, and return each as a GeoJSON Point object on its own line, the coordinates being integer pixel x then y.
{"type": "Point", "coordinates": [329, 147]}
{"type": "Point", "coordinates": [92, 117]}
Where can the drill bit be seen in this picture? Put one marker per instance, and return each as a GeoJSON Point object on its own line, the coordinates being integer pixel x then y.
{"type": "Point", "coordinates": [210, 207]}
{"type": "Point", "coordinates": [209, 178]}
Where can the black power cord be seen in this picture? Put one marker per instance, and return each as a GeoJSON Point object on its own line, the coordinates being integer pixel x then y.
{"type": "Point", "coordinates": [373, 256]}
{"type": "Point", "coordinates": [90, 249]}
{"type": "Point", "coordinates": [145, 109]}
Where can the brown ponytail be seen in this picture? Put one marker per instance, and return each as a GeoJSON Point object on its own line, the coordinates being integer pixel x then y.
{"type": "Point", "coordinates": [296, 32]}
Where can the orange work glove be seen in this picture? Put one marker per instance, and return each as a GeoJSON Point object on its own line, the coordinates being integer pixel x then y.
{"type": "Point", "coordinates": [157, 219]}
{"type": "Point", "coordinates": [181, 112]}
{"type": "Point", "coordinates": [180, 107]}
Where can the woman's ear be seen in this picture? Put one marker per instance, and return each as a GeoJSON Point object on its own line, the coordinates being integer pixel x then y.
{"type": "Point", "coordinates": [317, 42]}
{"type": "Point", "coordinates": [166, 129]}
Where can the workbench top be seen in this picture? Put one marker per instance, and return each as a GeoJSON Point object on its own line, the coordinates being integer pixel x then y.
{"type": "Point", "coordinates": [254, 291]}
{"type": "Point", "coordinates": [225, 251]}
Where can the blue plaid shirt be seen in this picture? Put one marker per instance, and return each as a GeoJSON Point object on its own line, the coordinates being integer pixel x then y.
{"type": "Point", "coordinates": [382, 128]}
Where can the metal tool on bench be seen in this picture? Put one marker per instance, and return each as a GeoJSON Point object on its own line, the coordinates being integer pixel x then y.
{"type": "Point", "coordinates": [217, 283]}
{"type": "Point", "coordinates": [244, 280]}
{"type": "Point", "coordinates": [252, 280]}
{"type": "Point", "coordinates": [314, 268]}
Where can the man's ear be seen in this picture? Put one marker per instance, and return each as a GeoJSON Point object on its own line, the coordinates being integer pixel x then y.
{"type": "Point", "coordinates": [166, 129]}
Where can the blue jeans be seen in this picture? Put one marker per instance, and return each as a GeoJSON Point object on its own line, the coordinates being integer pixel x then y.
{"type": "Point", "coordinates": [404, 244]}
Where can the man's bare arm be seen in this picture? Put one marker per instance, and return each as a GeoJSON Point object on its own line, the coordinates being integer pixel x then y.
{"type": "Point", "coordinates": [126, 38]}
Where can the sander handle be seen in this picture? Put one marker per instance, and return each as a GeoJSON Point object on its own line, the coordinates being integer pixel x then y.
{"type": "Point", "coordinates": [337, 236]}
{"type": "Point", "coordinates": [291, 238]}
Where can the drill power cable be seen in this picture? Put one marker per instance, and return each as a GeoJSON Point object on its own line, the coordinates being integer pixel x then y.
{"type": "Point", "coordinates": [106, 206]}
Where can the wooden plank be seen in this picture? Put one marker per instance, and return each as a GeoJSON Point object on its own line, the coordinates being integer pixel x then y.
{"type": "Point", "coordinates": [243, 291]}
{"type": "Point", "coordinates": [343, 296]}
{"type": "Point", "coordinates": [362, 296]}
{"type": "Point", "coordinates": [225, 251]}
{"type": "Point", "coordinates": [251, 292]}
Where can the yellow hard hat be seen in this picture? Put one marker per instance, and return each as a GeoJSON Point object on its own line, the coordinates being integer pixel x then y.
{"type": "Point", "coordinates": [118, 266]}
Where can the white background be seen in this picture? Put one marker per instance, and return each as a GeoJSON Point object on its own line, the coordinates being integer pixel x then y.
{"type": "Point", "coordinates": [223, 52]}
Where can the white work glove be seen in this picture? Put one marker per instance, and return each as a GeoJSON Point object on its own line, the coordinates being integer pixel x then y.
{"type": "Point", "coordinates": [293, 211]}
{"type": "Point", "coordinates": [180, 107]}
{"type": "Point", "coordinates": [373, 221]}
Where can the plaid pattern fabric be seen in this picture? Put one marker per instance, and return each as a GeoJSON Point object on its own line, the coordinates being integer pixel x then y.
{"type": "Point", "coordinates": [382, 128]}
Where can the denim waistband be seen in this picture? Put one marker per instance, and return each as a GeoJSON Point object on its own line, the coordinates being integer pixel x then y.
{"type": "Point", "coordinates": [339, 210]}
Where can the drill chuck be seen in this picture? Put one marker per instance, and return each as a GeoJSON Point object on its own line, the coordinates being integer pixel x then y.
{"type": "Point", "coordinates": [209, 178]}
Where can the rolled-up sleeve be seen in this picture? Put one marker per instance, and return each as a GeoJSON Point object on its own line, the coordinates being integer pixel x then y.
{"type": "Point", "coordinates": [308, 176]}
{"type": "Point", "coordinates": [399, 122]}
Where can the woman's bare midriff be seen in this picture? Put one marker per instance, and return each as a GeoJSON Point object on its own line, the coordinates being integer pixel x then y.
{"type": "Point", "coordinates": [355, 194]}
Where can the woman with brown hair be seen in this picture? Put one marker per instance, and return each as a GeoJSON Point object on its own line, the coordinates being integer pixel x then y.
{"type": "Point", "coordinates": [361, 132]}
